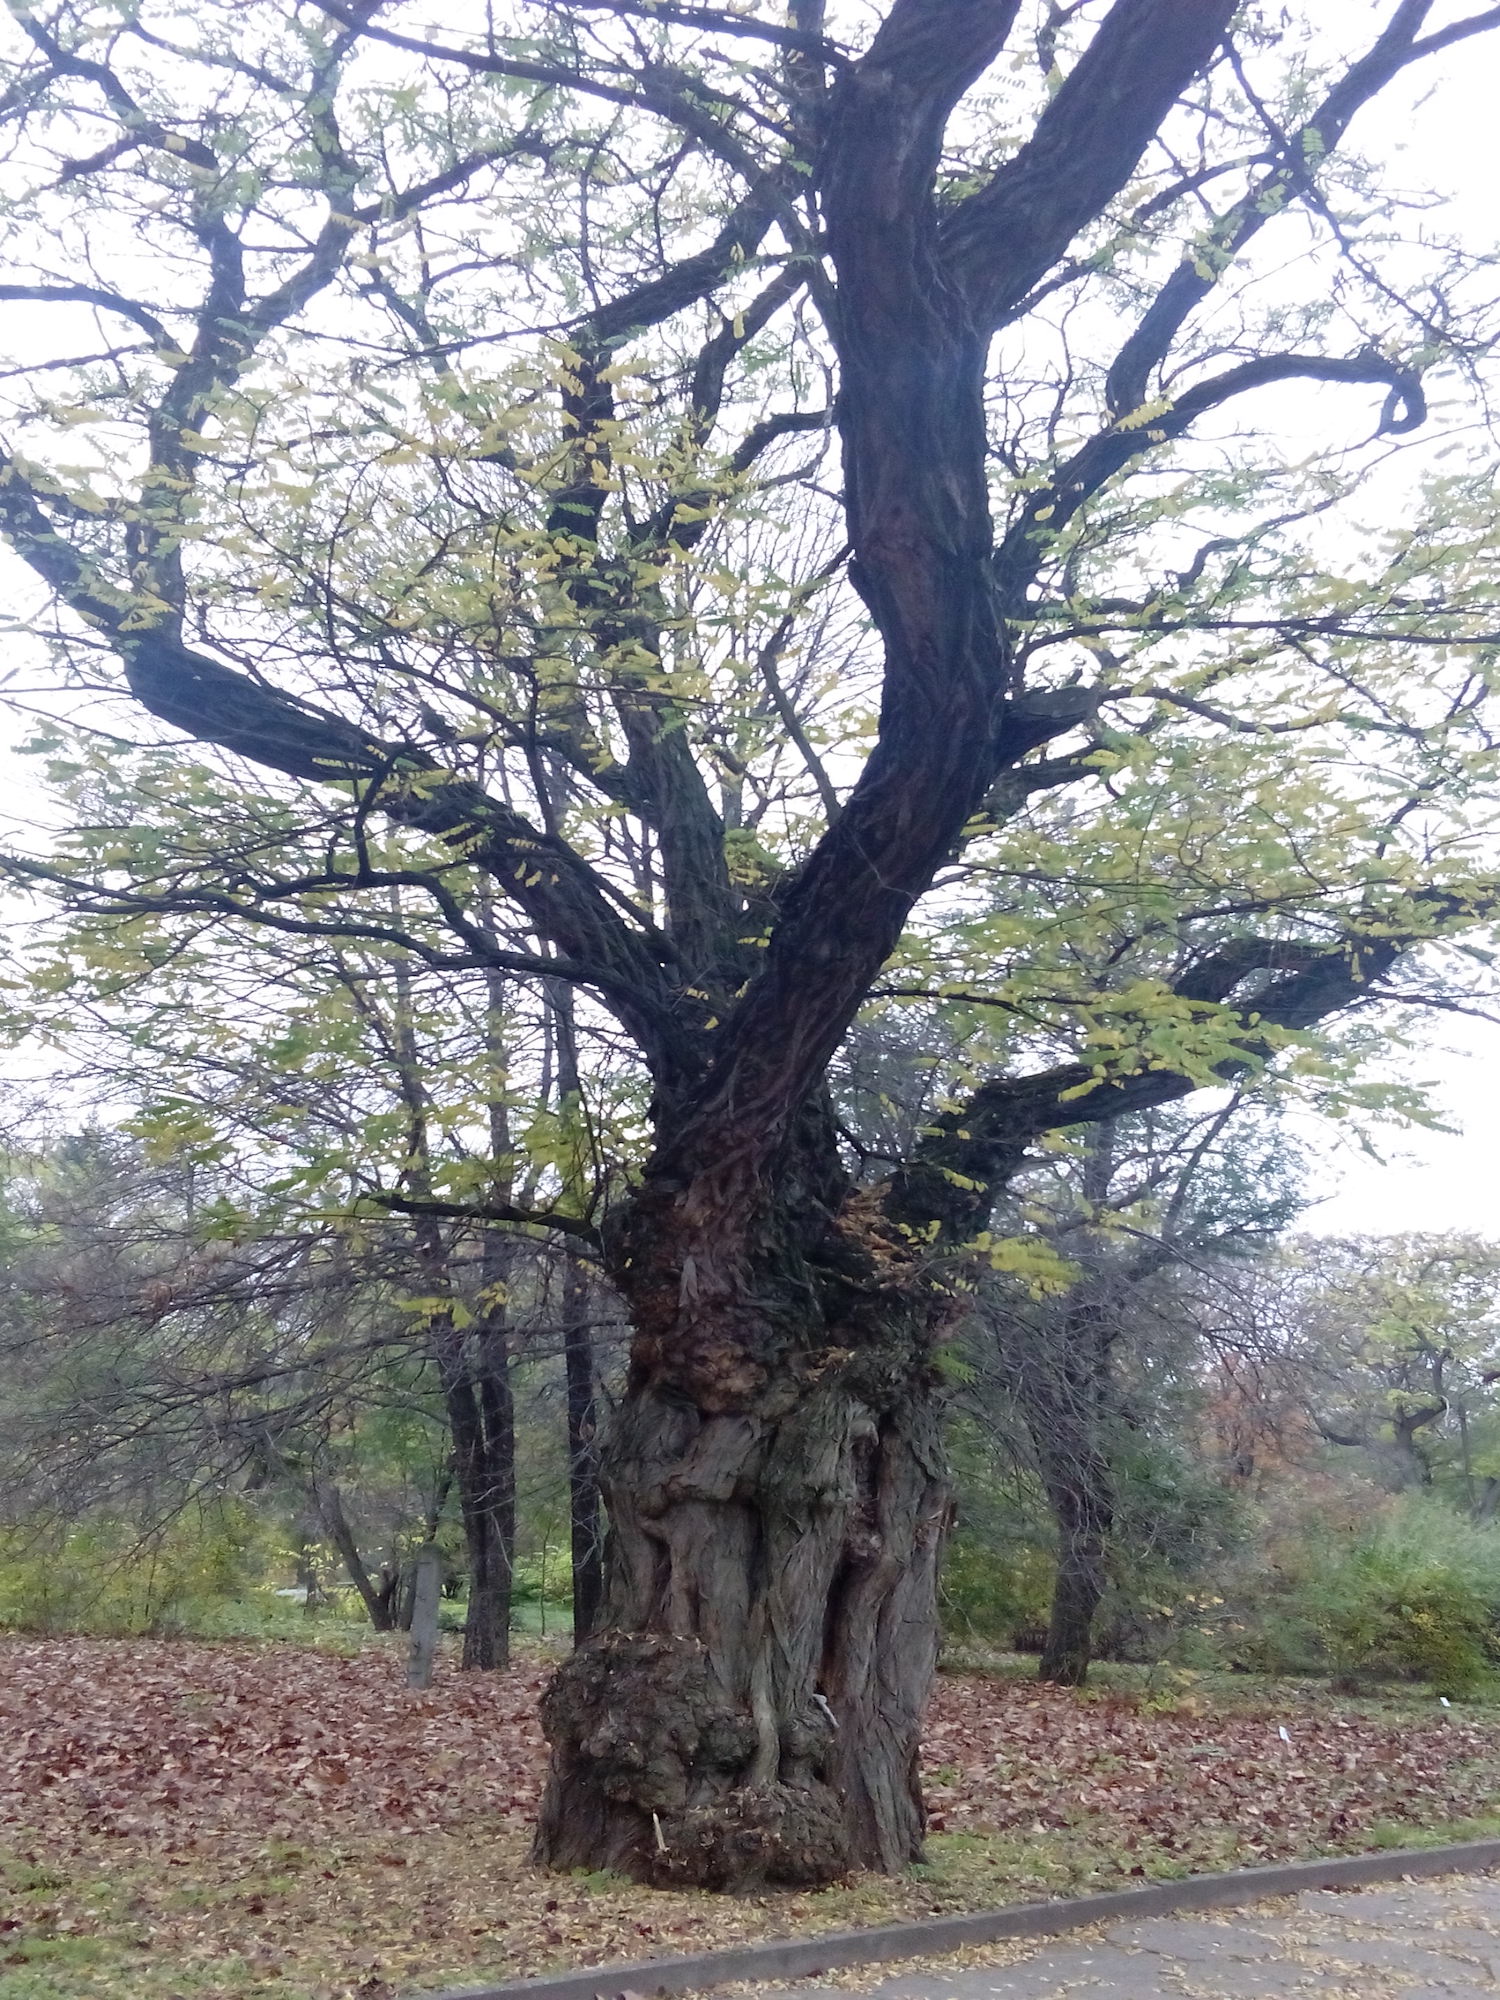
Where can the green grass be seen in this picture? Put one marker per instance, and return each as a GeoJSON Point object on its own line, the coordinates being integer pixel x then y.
{"type": "Point", "coordinates": [339, 1625]}
{"type": "Point", "coordinates": [1222, 1690]}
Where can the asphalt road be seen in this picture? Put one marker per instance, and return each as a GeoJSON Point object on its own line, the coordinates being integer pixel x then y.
{"type": "Point", "coordinates": [1437, 1940]}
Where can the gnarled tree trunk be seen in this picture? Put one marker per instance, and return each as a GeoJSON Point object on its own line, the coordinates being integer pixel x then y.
{"type": "Point", "coordinates": [749, 1710]}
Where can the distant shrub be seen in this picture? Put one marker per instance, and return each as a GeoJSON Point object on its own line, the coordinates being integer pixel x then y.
{"type": "Point", "coordinates": [110, 1579]}
{"type": "Point", "coordinates": [1174, 1524]}
{"type": "Point", "coordinates": [1000, 1597]}
{"type": "Point", "coordinates": [545, 1576]}
{"type": "Point", "coordinates": [1415, 1594]}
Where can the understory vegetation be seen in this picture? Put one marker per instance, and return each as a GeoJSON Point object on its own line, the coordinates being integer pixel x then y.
{"type": "Point", "coordinates": [1285, 1450]}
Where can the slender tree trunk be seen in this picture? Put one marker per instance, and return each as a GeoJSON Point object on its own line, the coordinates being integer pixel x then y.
{"type": "Point", "coordinates": [473, 1365]}
{"type": "Point", "coordinates": [490, 1505]}
{"type": "Point", "coordinates": [1465, 1454]}
{"type": "Point", "coordinates": [476, 1394]}
{"type": "Point", "coordinates": [389, 1596]}
{"type": "Point", "coordinates": [492, 1561]}
{"type": "Point", "coordinates": [584, 1508]}
{"type": "Point", "coordinates": [1060, 1373]}
{"type": "Point", "coordinates": [313, 1595]}
{"type": "Point", "coordinates": [1082, 1496]}
{"type": "Point", "coordinates": [330, 1505]}
{"type": "Point", "coordinates": [427, 1591]}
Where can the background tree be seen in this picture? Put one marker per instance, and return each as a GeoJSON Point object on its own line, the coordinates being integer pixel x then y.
{"type": "Point", "coordinates": [1392, 1344]}
{"type": "Point", "coordinates": [1143, 1204]}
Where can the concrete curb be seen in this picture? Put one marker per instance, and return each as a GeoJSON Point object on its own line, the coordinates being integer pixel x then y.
{"type": "Point", "coordinates": [797, 1958]}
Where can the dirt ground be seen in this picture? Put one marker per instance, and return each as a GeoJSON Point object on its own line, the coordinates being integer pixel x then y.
{"type": "Point", "coordinates": [182, 1820]}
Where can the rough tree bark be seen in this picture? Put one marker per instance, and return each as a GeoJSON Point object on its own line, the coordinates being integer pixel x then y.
{"type": "Point", "coordinates": [749, 1708]}
{"type": "Point", "coordinates": [777, 1494]}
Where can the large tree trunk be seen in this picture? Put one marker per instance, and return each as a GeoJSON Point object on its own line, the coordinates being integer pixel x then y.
{"type": "Point", "coordinates": [751, 1712]}
{"type": "Point", "coordinates": [748, 1711]}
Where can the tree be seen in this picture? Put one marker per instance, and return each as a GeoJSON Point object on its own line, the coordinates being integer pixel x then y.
{"type": "Point", "coordinates": [469, 478]}
{"type": "Point", "coordinates": [1394, 1339]}
{"type": "Point", "coordinates": [168, 1351]}
{"type": "Point", "coordinates": [1145, 1203]}
{"type": "Point", "coordinates": [312, 1072]}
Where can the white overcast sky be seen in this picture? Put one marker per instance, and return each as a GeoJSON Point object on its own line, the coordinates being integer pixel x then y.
{"type": "Point", "coordinates": [1424, 1180]}
{"type": "Point", "coordinates": [1434, 1180]}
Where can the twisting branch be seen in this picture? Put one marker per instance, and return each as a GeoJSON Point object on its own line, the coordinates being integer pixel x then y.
{"type": "Point", "coordinates": [490, 1211]}
{"type": "Point", "coordinates": [971, 1153]}
{"type": "Point", "coordinates": [1195, 278]}
{"type": "Point", "coordinates": [1109, 451]}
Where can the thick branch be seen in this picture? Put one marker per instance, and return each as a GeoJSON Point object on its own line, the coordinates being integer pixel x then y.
{"type": "Point", "coordinates": [91, 295]}
{"type": "Point", "coordinates": [489, 1211]}
{"type": "Point", "coordinates": [972, 1152]}
{"type": "Point", "coordinates": [1085, 148]}
{"type": "Point", "coordinates": [1318, 136]}
{"type": "Point", "coordinates": [1109, 451]}
{"type": "Point", "coordinates": [911, 415]}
